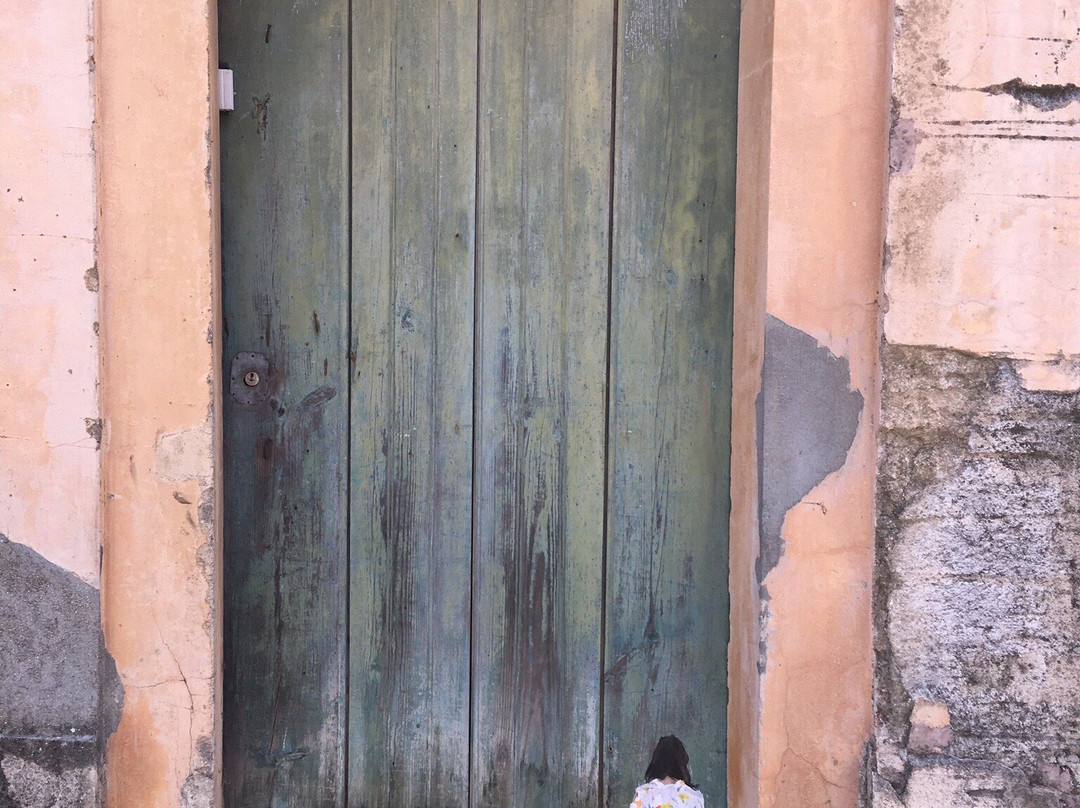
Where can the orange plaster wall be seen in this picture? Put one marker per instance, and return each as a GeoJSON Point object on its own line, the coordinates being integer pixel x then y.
{"type": "Point", "coordinates": [751, 260]}
{"type": "Point", "coordinates": [829, 121]}
{"type": "Point", "coordinates": [156, 127]}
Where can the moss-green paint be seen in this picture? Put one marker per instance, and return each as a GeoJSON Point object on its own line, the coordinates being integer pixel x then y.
{"type": "Point", "coordinates": [673, 254]}
{"type": "Point", "coordinates": [284, 185]}
{"type": "Point", "coordinates": [427, 263]}
{"type": "Point", "coordinates": [413, 168]}
{"type": "Point", "coordinates": [544, 169]}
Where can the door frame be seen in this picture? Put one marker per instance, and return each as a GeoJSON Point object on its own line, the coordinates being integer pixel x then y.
{"type": "Point", "coordinates": [176, 133]}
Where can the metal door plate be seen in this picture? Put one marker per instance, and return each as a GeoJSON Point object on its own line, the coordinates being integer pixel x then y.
{"type": "Point", "coordinates": [249, 380]}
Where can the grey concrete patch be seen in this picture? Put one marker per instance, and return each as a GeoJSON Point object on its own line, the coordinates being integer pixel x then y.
{"type": "Point", "coordinates": [60, 694]}
{"type": "Point", "coordinates": [110, 692]}
{"type": "Point", "coordinates": [903, 143]}
{"type": "Point", "coordinates": [198, 788]}
{"type": "Point", "coordinates": [198, 791]}
{"type": "Point", "coordinates": [807, 418]}
{"type": "Point", "coordinates": [976, 606]}
{"type": "Point", "coordinates": [50, 647]}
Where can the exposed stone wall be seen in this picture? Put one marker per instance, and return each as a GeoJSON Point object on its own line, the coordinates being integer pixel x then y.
{"type": "Point", "coordinates": [978, 633]}
{"type": "Point", "coordinates": [977, 601]}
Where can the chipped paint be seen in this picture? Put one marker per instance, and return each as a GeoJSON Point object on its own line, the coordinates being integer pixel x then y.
{"type": "Point", "coordinates": [1046, 97]}
{"type": "Point", "coordinates": [651, 24]}
{"type": "Point", "coordinates": [185, 455]}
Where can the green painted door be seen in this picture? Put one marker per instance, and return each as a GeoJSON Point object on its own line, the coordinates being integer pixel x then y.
{"type": "Point", "coordinates": [477, 303]}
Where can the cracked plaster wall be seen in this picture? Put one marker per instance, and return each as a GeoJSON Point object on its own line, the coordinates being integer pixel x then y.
{"type": "Point", "coordinates": [977, 614]}
{"type": "Point", "coordinates": [58, 694]}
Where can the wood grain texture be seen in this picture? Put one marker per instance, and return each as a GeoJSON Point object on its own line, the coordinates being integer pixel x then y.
{"type": "Point", "coordinates": [425, 604]}
{"type": "Point", "coordinates": [284, 184]}
{"type": "Point", "coordinates": [414, 148]}
{"type": "Point", "coordinates": [544, 179]}
{"type": "Point", "coordinates": [667, 608]}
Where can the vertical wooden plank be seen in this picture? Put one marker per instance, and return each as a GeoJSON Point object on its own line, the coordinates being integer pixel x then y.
{"type": "Point", "coordinates": [544, 180]}
{"type": "Point", "coordinates": [284, 181]}
{"type": "Point", "coordinates": [414, 148]}
{"type": "Point", "coordinates": [667, 614]}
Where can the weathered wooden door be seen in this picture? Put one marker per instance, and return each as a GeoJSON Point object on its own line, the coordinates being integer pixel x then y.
{"type": "Point", "coordinates": [477, 300]}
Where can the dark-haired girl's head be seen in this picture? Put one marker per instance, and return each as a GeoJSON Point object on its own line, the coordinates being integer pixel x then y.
{"type": "Point", "coordinates": [669, 759]}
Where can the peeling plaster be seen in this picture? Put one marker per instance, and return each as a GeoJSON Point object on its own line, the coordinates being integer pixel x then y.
{"type": "Point", "coordinates": [826, 138]}
{"type": "Point", "coordinates": [807, 418]}
{"type": "Point", "coordinates": [94, 430]}
{"type": "Point", "coordinates": [978, 535]}
{"type": "Point", "coordinates": [158, 404]}
{"type": "Point", "coordinates": [185, 455]}
{"type": "Point", "coordinates": [982, 253]}
{"type": "Point", "coordinates": [1059, 376]}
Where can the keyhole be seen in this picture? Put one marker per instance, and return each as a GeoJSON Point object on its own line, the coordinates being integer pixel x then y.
{"type": "Point", "coordinates": [251, 378]}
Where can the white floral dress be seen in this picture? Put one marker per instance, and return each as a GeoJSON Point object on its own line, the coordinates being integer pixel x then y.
{"type": "Point", "coordinates": [667, 795]}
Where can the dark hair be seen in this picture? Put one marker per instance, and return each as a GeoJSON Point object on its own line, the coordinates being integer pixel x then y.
{"type": "Point", "coordinates": [669, 759]}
